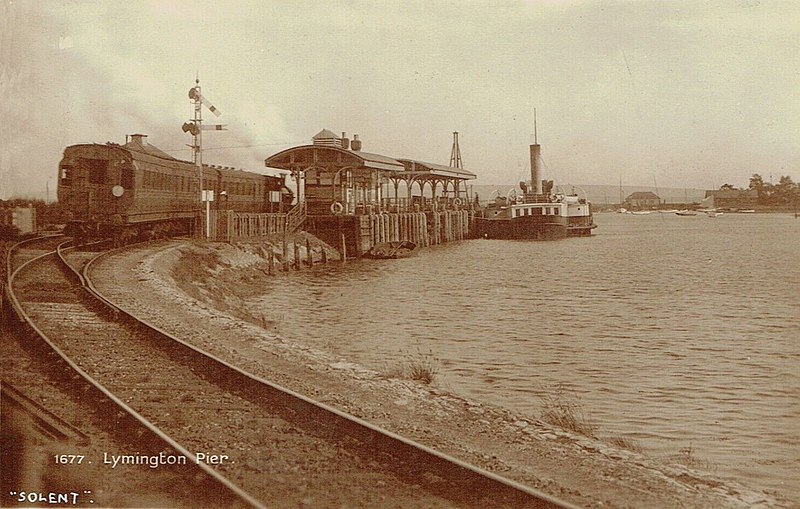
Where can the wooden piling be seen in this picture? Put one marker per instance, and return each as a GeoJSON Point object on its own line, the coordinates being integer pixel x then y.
{"type": "Point", "coordinates": [421, 227]}
{"type": "Point", "coordinates": [285, 254]}
{"type": "Point", "coordinates": [418, 229]}
{"type": "Point", "coordinates": [309, 254]}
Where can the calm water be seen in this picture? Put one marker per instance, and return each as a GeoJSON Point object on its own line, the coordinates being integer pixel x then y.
{"type": "Point", "coordinates": [675, 332]}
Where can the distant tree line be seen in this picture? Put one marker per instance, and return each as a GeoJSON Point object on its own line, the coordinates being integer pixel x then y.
{"type": "Point", "coordinates": [784, 193]}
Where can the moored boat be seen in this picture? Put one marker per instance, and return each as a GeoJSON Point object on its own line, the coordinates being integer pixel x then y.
{"type": "Point", "coordinates": [391, 250]}
{"type": "Point", "coordinates": [535, 213]}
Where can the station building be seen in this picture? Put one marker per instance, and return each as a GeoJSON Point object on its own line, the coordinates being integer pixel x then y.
{"type": "Point", "coordinates": [334, 176]}
{"type": "Point", "coordinates": [353, 199]}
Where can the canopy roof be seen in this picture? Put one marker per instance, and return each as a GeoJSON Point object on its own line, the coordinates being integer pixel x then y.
{"type": "Point", "coordinates": [436, 170]}
{"type": "Point", "coordinates": [304, 157]}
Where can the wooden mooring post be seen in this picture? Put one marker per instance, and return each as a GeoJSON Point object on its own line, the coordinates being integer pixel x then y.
{"type": "Point", "coordinates": [285, 254]}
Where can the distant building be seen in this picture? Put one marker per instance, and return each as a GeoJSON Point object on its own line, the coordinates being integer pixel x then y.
{"type": "Point", "coordinates": [731, 199]}
{"type": "Point", "coordinates": [643, 199]}
{"type": "Point", "coordinates": [24, 218]}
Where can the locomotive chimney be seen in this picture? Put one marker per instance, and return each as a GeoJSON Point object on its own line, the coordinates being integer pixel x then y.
{"type": "Point", "coordinates": [356, 143]}
{"type": "Point", "coordinates": [345, 141]}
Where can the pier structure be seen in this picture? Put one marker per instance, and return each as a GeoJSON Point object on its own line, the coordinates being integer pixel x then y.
{"type": "Point", "coordinates": [354, 199]}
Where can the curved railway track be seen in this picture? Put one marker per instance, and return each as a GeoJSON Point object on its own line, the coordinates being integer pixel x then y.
{"type": "Point", "coordinates": [59, 423]}
{"type": "Point", "coordinates": [241, 425]}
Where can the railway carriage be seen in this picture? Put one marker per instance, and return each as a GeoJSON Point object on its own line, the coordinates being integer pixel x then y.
{"type": "Point", "coordinates": [137, 190]}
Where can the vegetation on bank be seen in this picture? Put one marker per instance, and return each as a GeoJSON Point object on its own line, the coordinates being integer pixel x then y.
{"type": "Point", "coordinates": [563, 408]}
{"type": "Point", "coordinates": [419, 366]}
{"type": "Point", "coordinates": [786, 193]}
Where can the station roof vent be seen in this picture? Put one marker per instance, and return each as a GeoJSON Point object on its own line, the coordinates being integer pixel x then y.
{"type": "Point", "coordinates": [327, 138]}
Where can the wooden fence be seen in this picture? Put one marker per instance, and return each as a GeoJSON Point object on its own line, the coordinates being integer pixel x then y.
{"type": "Point", "coordinates": [230, 226]}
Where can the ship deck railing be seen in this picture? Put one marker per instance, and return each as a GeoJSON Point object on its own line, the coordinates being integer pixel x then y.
{"type": "Point", "coordinates": [537, 198]}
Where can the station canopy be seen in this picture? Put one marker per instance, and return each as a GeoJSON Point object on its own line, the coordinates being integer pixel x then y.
{"type": "Point", "coordinates": [304, 157]}
{"type": "Point", "coordinates": [328, 152]}
{"type": "Point", "coordinates": [423, 169]}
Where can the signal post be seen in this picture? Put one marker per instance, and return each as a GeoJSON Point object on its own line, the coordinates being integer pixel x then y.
{"type": "Point", "coordinates": [195, 127]}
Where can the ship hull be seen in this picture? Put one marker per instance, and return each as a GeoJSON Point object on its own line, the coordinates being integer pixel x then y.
{"type": "Point", "coordinates": [533, 227]}
{"type": "Point", "coordinates": [522, 228]}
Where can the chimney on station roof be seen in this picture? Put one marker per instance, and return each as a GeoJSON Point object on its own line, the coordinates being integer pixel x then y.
{"type": "Point", "coordinates": [138, 138]}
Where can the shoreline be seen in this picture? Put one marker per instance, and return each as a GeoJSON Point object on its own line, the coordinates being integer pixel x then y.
{"type": "Point", "coordinates": [581, 470]}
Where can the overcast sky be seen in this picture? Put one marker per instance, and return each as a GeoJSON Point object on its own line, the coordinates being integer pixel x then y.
{"type": "Point", "coordinates": [682, 94]}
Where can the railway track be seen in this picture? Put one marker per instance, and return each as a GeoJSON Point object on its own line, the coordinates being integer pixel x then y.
{"type": "Point", "coordinates": [241, 425]}
{"type": "Point", "coordinates": [58, 424]}
{"type": "Point", "coordinates": [46, 422]}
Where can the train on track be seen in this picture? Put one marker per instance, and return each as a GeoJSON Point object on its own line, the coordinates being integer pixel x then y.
{"type": "Point", "coordinates": [137, 191]}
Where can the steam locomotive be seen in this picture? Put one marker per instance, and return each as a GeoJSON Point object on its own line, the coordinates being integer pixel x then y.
{"type": "Point", "coordinates": [138, 191]}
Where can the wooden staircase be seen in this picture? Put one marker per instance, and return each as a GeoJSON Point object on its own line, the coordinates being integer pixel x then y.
{"type": "Point", "coordinates": [296, 217]}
